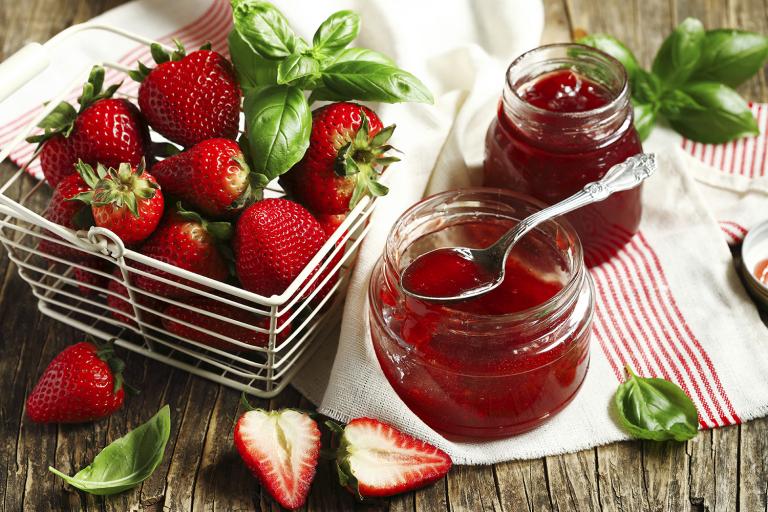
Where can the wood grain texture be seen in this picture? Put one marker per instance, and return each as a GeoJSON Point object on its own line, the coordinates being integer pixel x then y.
{"type": "Point", "coordinates": [723, 470]}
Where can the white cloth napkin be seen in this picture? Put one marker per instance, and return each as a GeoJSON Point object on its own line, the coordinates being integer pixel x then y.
{"type": "Point", "coordinates": [670, 304]}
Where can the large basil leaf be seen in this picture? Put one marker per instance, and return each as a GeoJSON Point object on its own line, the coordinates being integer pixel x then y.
{"type": "Point", "coordinates": [373, 81]}
{"type": "Point", "coordinates": [127, 461]}
{"type": "Point", "coordinates": [297, 66]}
{"type": "Point", "coordinates": [615, 49]}
{"type": "Point", "coordinates": [252, 70]}
{"type": "Point", "coordinates": [264, 28]}
{"type": "Point", "coordinates": [360, 55]}
{"type": "Point", "coordinates": [718, 114]}
{"type": "Point", "coordinates": [731, 56]}
{"type": "Point", "coordinates": [340, 29]}
{"type": "Point", "coordinates": [278, 123]}
{"type": "Point", "coordinates": [679, 54]}
{"type": "Point", "coordinates": [645, 118]}
{"type": "Point", "coordinates": [655, 409]}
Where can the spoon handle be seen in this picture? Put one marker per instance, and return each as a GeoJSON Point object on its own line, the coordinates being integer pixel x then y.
{"type": "Point", "coordinates": [623, 176]}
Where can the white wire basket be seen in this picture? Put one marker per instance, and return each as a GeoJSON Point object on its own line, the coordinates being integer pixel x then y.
{"type": "Point", "coordinates": [74, 288]}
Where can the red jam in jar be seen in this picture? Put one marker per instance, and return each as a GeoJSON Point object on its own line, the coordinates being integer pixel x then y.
{"type": "Point", "coordinates": [564, 119]}
{"type": "Point", "coordinates": [498, 364]}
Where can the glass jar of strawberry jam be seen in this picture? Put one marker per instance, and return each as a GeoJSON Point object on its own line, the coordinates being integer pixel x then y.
{"type": "Point", "coordinates": [564, 119]}
{"type": "Point", "coordinates": [494, 365]}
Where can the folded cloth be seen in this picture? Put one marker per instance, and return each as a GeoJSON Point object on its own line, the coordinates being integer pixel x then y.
{"type": "Point", "coordinates": [669, 304]}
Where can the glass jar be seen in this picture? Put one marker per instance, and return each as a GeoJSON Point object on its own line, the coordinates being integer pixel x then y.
{"type": "Point", "coordinates": [494, 365]}
{"type": "Point", "coordinates": [564, 119]}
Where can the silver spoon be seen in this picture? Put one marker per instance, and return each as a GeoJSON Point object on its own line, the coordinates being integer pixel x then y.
{"type": "Point", "coordinates": [492, 260]}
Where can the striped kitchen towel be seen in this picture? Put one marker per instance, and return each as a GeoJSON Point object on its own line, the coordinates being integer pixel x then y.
{"type": "Point", "coordinates": [669, 304]}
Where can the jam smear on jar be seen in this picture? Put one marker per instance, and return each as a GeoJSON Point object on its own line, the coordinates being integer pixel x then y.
{"type": "Point", "coordinates": [761, 272]}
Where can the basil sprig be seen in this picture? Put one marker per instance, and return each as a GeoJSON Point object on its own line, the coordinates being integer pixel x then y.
{"type": "Point", "coordinates": [276, 67]}
{"type": "Point", "coordinates": [691, 81]}
{"type": "Point", "coordinates": [127, 461]}
{"type": "Point", "coordinates": [655, 409]}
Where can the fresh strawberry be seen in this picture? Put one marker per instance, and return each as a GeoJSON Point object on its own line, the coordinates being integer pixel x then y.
{"type": "Point", "coordinates": [330, 221]}
{"type": "Point", "coordinates": [188, 241]}
{"type": "Point", "coordinates": [274, 241]}
{"type": "Point", "coordinates": [281, 448]}
{"type": "Point", "coordinates": [118, 300]}
{"type": "Point", "coordinates": [211, 176]}
{"type": "Point", "coordinates": [193, 314]}
{"type": "Point", "coordinates": [375, 460]}
{"type": "Point", "coordinates": [189, 98]}
{"type": "Point", "coordinates": [92, 276]}
{"type": "Point", "coordinates": [82, 383]}
{"type": "Point", "coordinates": [104, 130]}
{"type": "Point", "coordinates": [346, 154]}
{"type": "Point", "coordinates": [70, 214]}
{"type": "Point", "coordinates": [126, 200]}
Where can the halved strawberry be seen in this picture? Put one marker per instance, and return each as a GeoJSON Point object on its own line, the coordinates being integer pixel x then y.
{"type": "Point", "coordinates": [281, 449]}
{"type": "Point", "coordinates": [374, 459]}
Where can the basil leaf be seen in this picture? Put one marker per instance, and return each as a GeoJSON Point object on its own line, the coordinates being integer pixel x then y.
{"type": "Point", "coordinates": [340, 29]}
{"type": "Point", "coordinates": [644, 118]}
{"type": "Point", "coordinates": [719, 114]}
{"type": "Point", "coordinates": [296, 66]}
{"type": "Point", "coordinates": [677, 103]}
{"type": "Point", "coordinates": [646, 87]}
{"type": "Point", "coordinates": [278, 123]}
{"type": "Point", "coordinates": [680, 52]}
{"type": "Point", "coordinates": [252, 70]}
{"type": "Point", "coordinates": [360, 55]}
{"type": "Point", "coordinates": [655, 409]}
{"type": "Point", "coordinates": [263, 28]}
{"type": "Point", "coordinates": [615, 49]}
{"type": "Point", "coordinates": [126, 462]}
{"type": "Point", "coordinates": [373, 81]}
{"type": "Point", "coordinates": [731, 56]}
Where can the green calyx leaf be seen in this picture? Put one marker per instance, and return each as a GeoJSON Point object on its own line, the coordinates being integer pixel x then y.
{"type": "Point", "coordinates": [615, 49]}
{"type": "Point", "coordinates": [123, 187]}
{"type": "Point", "coordinates": [264, 28]}
{"type": "Point", "coordinates": [373, 81]}
{"type": "Point", "coordinates": [61, 120]}
{"type": "Point", "coordinates": [336, 32]}
{"type": "Point", "coordinates": [278, 122]}
{"type": "Point", "coordinates": [221, 231]}
{"type": "Point", "coordinates": [731, 56]}
{"type": "Point", "coordinates": [106, 353]}
{"type": "Point", "coordinates": [710, 112]}
{"type": "Point", "coordinates": [160, 55]}
{"type": "Point", "coordinates": [679, 54]}
{"type": "Point", "coordinates": [127, 461]}
{"type": "Point", "coordinates": [655, 409]}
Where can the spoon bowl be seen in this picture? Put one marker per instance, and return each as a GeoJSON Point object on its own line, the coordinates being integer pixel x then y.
{"type": "Point", "coordinates": [485, 268]}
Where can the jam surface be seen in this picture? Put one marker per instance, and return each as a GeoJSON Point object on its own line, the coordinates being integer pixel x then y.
{"type": "Point", "coordinates": [554, 164]}
{"type": "Point", "coordinates": [761, 272]}
{"type": "Point", "coordinates": [464, 378]}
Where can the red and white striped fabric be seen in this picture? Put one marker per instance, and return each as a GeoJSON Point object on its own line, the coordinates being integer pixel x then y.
{"type": "Point", "coordinates": [670, 304]}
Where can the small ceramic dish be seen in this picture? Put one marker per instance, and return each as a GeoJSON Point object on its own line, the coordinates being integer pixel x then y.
{"type": "Point", "coordinates": [753, 251]}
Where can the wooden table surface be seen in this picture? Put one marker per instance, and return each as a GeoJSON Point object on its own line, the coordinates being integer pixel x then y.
{"type": "Point", "coordinates": [720, 470]}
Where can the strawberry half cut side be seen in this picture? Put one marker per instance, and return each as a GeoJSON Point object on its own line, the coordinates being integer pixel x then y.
{"type": "Point", "coordinates": [375, 460]}
{"type": "Point", "coordinates": [281, 449]}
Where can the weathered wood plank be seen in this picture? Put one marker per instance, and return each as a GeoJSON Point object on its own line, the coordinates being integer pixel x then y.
{"type": "Point", "coordinates": [523, 485]}
{"type": "Point", "coordinates": [573, 481]}
{"type": "Point", "coordinates": [753, 466]}
{"type": "Point", "coordinates": [713, 470]}
{"type": "Point", "coordinates": [621, 478]}
{"type": "Point", "coordinates": [472, 489]}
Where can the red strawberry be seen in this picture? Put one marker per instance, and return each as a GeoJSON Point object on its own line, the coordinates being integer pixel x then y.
{"type": "Point", "coordinates": [375, 460]}
{"type": "Point", "coordinates": [281, 448]}
{"type": "Point", "coordinates": [126, 201]}
{"type": "Point", "coordinates": [92, 277]}
{"type": "Point", "coordinates": [124, 311]}
{"type": "Point", "coordinates": [211, 176]}
{"type": "Point", "coordinates": [190, 98]}
{"type": "Point", "coordinates": [345, 157]}
{"type": "Point", "coordinates": [330, 221]}
{"type": "Point", "coordinates": [70, 214]}
{"type": "Point", "coordinates": [194, 316]}
{"type": "Point", "coordinates": [105, 130]}
{"type": "Point", "coordinates": [188, 241]}
{"type": "Point", "coordinates": [82, 383]}
{"type": "Point", "coordinates": [274, 241]}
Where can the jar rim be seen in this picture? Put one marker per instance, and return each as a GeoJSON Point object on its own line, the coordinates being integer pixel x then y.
{"type": "Point", "coordinates": [617, 97]}
{"type": "Point", "coordinates": [568, 289]}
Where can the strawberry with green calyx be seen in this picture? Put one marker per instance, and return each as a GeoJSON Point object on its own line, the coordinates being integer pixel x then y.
{"type": "Point", "coordinates": [104, 130]}
{"type": "Point", "coordinates": [126, 200]}
{"type": "Point", "coordinates": [281, 449]}
{"type": "Point", "coordinates": [346, 155]}
{"type": "Point", "coordinates": [188, 241]}
{"type": "Point", "coordinates": [212, 176]}
{"type": "Point", "coordinates": [189, 98]}
{"type": "Point", "coordinates": [374, 460]}
{"type": "Point", "coordinates": [83, 383]}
